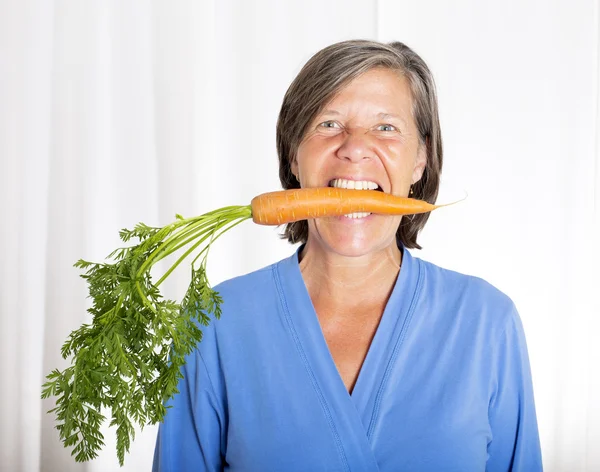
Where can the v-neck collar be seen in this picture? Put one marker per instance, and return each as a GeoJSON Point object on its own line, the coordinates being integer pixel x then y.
{"type": "Point", "coordinates": [355, 414]}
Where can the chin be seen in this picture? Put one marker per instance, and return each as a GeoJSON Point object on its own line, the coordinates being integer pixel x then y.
{"type": "Point", "coordinates": [354, 245]}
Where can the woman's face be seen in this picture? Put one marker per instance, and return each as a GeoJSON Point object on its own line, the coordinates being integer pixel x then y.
{"type": "Point", "coordinates": [365, 135]}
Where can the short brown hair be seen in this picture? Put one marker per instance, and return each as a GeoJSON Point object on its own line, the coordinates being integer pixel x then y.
{"type": "Point", "coordinates": [322, 77]}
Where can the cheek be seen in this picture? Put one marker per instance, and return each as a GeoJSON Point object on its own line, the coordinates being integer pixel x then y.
{"type": "Point", "coordinates": [396, 153]}
{"type": "Point", "coordinates": [310, 153]}
{"type": "Point", "coordinates": [399, 164]}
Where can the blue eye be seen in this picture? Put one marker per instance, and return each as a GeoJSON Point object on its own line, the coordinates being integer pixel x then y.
{"type": "Point", "coordinates": [389, 128]}
{"type": "Point", "coordinates": [328, 124]}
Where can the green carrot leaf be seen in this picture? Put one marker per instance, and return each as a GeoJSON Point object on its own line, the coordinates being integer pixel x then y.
{"type": "Point", "coordinates": [126, 363]}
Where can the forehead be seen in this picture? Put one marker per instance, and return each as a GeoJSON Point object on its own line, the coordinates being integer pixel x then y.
{"type": "Point", "coordinates": [379, 87]}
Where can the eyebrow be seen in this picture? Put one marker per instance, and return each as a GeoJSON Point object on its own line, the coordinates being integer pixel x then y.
{"type": "Point", "coordinates": [389, 115]}
{"type": "Point", "coordinates": [381, 115]}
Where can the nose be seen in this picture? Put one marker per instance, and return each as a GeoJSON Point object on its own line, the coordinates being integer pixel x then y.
{"type": "Point", "coordinates": [356, 145]}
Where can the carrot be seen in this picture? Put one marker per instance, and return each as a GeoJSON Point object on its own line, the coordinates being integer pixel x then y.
{"type": "Point", "coordinates": [286, 206]}
{"type": "Point", "coordinates": [128, 359]}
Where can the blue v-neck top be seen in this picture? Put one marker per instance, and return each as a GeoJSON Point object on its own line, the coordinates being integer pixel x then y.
{"type": "Point", "coordinates": [445, 385]}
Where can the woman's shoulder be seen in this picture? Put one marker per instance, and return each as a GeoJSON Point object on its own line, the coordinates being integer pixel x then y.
{"type": "Point", "coordinates": [473, 294]}
{"type": "Point", "coordinates": [247, 304]}
{"type": "Point", "coordinates": [252, 296]}
{"type": "Point", "coordinates": [249, 282]}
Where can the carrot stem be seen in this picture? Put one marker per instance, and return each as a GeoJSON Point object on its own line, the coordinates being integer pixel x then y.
{"type": "Point", "coordinates": [204, 237]}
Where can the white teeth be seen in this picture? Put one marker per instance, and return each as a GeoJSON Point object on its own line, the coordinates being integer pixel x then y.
{"type": "Point", "coordinates": [354, 184]}
{"type": "Point", "coordinates": [357, 215]}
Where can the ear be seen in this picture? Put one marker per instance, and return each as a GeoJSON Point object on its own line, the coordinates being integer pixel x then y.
{"type": "Point", "coordinates": [420, 162]}
{"type": "Point", "coordinates": [294, 166]}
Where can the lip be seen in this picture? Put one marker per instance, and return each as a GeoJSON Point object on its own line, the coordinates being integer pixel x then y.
{"type": "Point", "coordinates": [354, 221]}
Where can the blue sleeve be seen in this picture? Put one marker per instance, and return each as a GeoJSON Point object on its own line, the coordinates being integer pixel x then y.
{"type": "Point", "coordinates": [515, 444]}
{"type": "Point", "coordinates": [190, 437]}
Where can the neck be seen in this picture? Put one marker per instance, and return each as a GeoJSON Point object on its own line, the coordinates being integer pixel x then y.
{"type": "Point", "coordinates": [339, 280]}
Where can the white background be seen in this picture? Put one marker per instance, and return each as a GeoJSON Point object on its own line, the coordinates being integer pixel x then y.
{"type": "Point", "coordinates": [117, 112]}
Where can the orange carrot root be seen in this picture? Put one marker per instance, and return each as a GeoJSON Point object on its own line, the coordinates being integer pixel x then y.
{"type": "Point", "coordinates": [286, 206]}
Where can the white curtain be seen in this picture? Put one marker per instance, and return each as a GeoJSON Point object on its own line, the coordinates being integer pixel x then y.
{"type": "Point", "coordinates": [117, 112]}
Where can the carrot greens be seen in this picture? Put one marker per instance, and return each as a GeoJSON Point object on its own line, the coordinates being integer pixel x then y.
{"type": "Point", "coordinates": [127, 361]}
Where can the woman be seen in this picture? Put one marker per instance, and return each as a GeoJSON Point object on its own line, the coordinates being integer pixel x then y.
{"type": "Point", "coordinates": [352, 354]}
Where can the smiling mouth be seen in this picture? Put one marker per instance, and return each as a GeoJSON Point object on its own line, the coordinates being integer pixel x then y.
{"type": "Point", "coordinates": [356, 185]}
